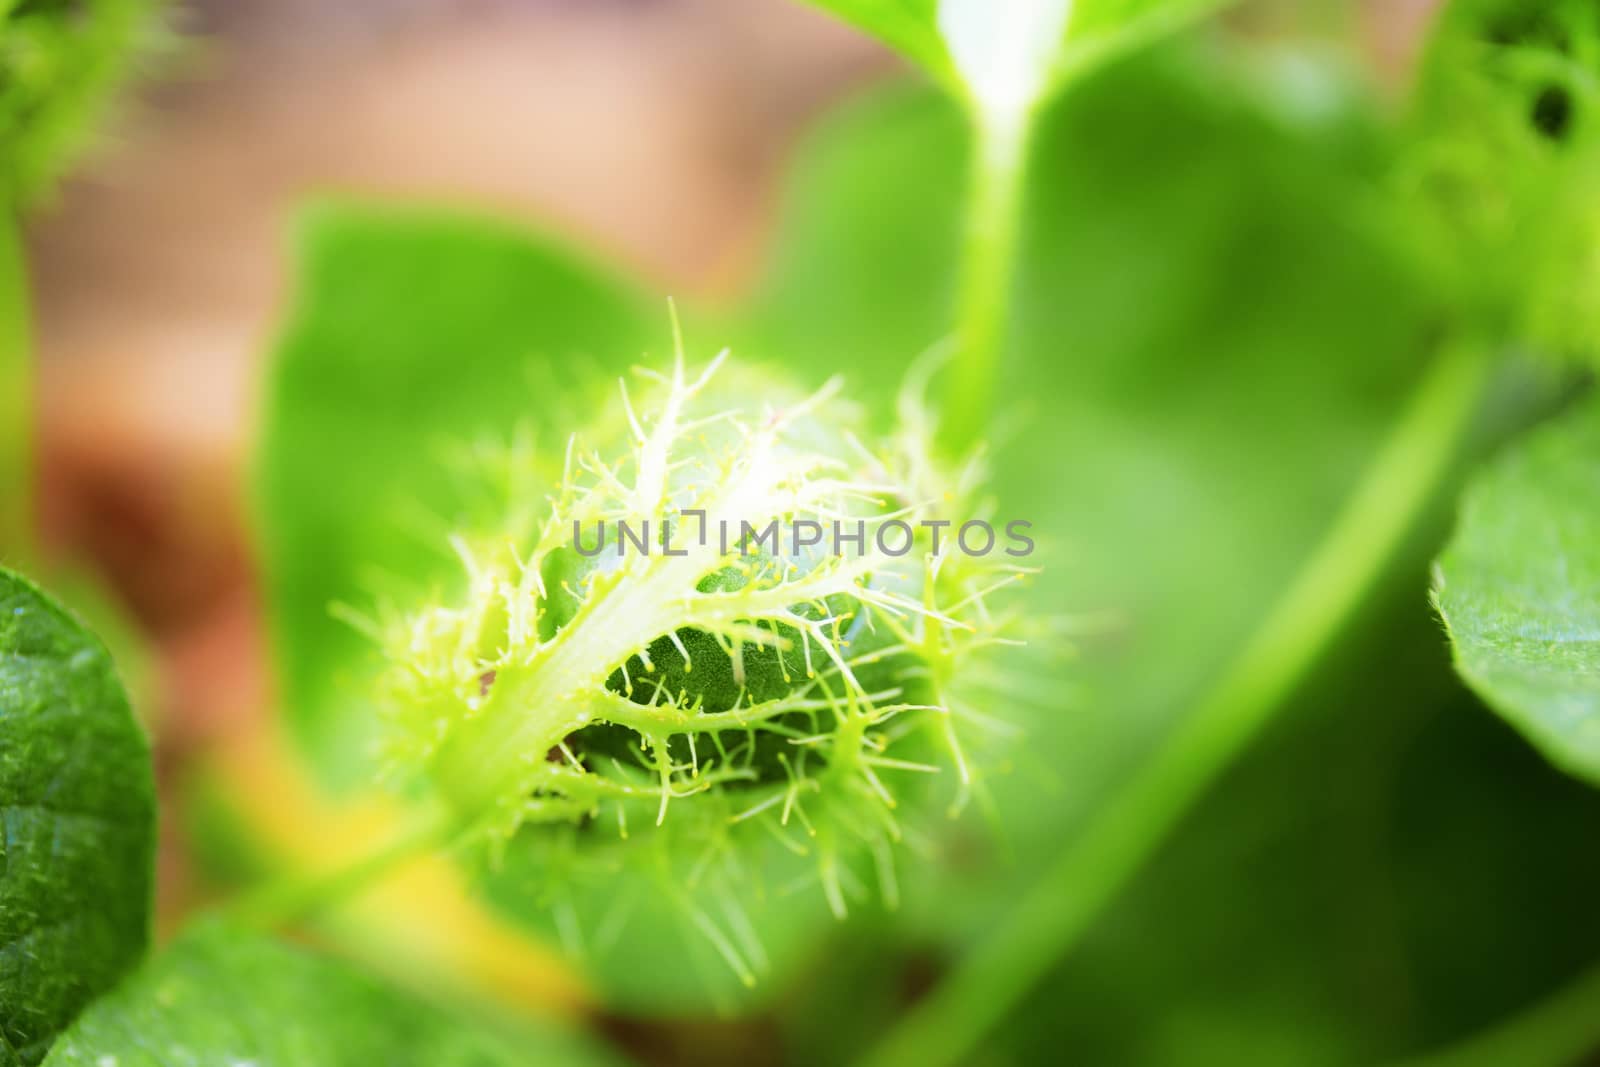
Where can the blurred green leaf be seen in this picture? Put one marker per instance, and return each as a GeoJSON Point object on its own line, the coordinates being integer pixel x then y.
{"type": "Point", "coordinates": [909, 26]}
{"type": "Point", "coordinates": [1178, 433]}
{"type": "Point", "coordinates": [1212, 398]}
{"type": "Point", "coordinates": [1517, 589]}
{"type": "Point", "coordinates": [1191, 396]}
{"type": "Point", "coordinates": [59, 62]}
{"type": "Point", "coordinates": [218, 996]}
{"type": "Point", "coordinates": [1503, 163]}
{"type": "Point", "coordinates": [1007, 56]}
{"type": "Point", "coordinates": [1101, 30]}
{"type": "Point", "coordinates": [1200, 366]}
{"type": "Point", "coordinates": [1362, 887]}
{"type": "Point", "coordinates": [77, 807]}
{"type": "Point", "coordinates": [419, 345]}
{"type": "Point", "coordinates": [624, 917]}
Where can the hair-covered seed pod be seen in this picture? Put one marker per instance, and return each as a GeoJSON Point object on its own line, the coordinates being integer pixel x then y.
{"type": "Point", "coordinates": [655, 662]}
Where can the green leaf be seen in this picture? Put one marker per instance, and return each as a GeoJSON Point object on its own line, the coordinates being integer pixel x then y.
{"type": "Point", "coordinates": [59, 62]}
{"type": "Point", "coordinates": [1190, 398]}
{"type": "Point", "coordinates": [77, 811]}
{"type": "Point", "coordinates": [1361, 888]}
{"type": "Point", "coordinates": [1008, 57]}
{"type": "Point", "coordinates": [415, 338]}
{"type": "Point", "coordinates": [1517, 589]}
{"type": "Point", "coordinates": [1503, 162]}
{"type": "Point", "coordinates": [1100, 30]}
{"type": "Point", "coordinates": [908, 26]}
{"type": "Point", "coordinates": [218, 996]}
{"type": "Point", "coordinates": [1147, 391]}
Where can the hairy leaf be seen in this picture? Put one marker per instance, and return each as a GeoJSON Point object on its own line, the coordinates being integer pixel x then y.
{"type": "Point", "coordinates": [217, 996]}
{"type": "Point", "coordinates": [77, 811]}
{"type": "Point", "coordinates": [1519, 588]}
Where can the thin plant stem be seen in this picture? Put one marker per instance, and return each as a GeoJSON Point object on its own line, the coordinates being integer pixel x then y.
{"type": "Point", "coordinates": [998, 179]}
{"type": "Point", "coordinates": [16, 395]}
{"type": "Point", "coordinates": [988, 268]}
{"type": "Point", "coordinates": [1049, 919]}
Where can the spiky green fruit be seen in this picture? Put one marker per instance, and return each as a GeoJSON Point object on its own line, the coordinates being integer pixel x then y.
{"type": "Point", "coordinates": [673, 703]}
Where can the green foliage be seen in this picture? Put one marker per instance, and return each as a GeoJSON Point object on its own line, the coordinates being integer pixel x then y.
{"type": "Point", "coordinates": [1182, 434]}
{"type": "Point", "coordinates": [78, 809]}
{"type": "Point", "coordinates": [1362, 887]}
{"type": "Point", "coordinates": [667, 756]}
{"type": "Point", "coordinates": [1504, 168]}
{"type": "Point", "coordinates": [1235, 407]}
{"type": "Point", "coordinates": [1024, 49]}
{"type": "Point", "coordinates": [860, 284]}
{"type": "Point", "coordinates": [218, 996]}
{"type": "Point", "coordinates": [1004, 62]}
{"type": "Point", "coordinates": [59, 61]}
{"type": "Point", "coordinates": [1099, 31]}
{"type": "Point", "coordinates": [909, 26]}
{"type": "Point", "coordinates": [1515, 587]}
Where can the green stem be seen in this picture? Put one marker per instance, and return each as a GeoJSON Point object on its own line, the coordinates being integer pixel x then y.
{"type": "Point", "coordinates": [295, 898]}
{"type": "Point", "coordinates": [988, 267]}
{"type": "Point", "coordinates": [16, 395]}
{"type": "Point", "coordinates": [1557, 1031]}
{"type": "Point", "coordinates": [1402, 478]}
